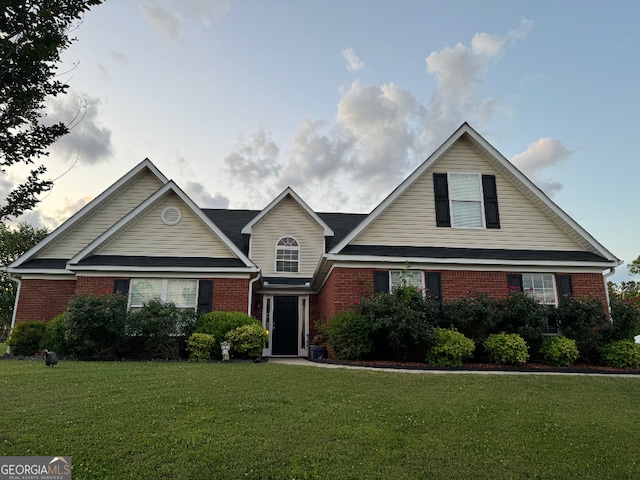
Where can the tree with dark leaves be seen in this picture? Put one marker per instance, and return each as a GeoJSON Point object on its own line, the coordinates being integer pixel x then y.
{"type": "Point", "coordinates": [33, 34]}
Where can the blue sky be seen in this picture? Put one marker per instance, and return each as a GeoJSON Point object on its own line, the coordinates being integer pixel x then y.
{"type": "Point", "coordinates": [341, 100]}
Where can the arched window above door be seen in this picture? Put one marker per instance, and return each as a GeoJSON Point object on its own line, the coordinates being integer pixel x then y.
{"type": "Point", "coordinates": [288, 255]}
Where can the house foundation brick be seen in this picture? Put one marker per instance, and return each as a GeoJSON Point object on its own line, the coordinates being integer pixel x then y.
{"type": "Point", "coordinates": [43, 299]}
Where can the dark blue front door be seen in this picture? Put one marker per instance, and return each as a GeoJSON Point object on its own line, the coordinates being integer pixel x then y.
{"type": "Point", "coordinates": [285, 326]}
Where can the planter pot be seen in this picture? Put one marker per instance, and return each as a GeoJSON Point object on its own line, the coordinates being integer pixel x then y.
{"type": "Point", "coordinates": [317, 352]}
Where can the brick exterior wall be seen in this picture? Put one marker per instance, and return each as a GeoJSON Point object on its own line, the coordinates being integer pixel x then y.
{"type": "Point", "coordinates": [231, 294]}
{"type": "Point", "coordinates": [344, 285]}
{"type": "Point", "coordinates": [44, 299]}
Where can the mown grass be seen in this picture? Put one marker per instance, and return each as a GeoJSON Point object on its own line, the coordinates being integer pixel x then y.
{"type": "Point", "coordinates": [268, 421]}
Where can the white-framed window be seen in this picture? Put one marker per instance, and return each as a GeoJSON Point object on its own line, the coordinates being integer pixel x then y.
{"type": "Point", "coordinates": [399, 278]}
{"type": "Point", "coordinates": [465, 197]}
{"type": "Point", "coordinates": [288, 255]}
{"type": "Point", "coordinates": [182, 292]}
{"type": "Point", "coordinates": [542, 287]}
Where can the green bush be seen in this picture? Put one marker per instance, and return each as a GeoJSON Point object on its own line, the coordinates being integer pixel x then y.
{"type": "Point", "coordinates": [449, 348]}
{"type": "Point", "coordinates": [348, 334]}
{"type": "Point", "coordinates": [54, 335]}
{"type": "Point", "coordinates": [625, 315]}
{"type": "Point", "coordinates": [161, 326]}
{"type": "Point", "coordinates": [26, 337]}
{"type": "Point", "coordinates": [218, 323]}
{"type": "Point", "coordinates": [622, 354]}
{"type": "Point", "coordinates": [506, 348]}
{"type": "Point", "coordinates": [560, 351]}
{"type": "Point", "coordinates": [96, 325]}
{"type": "Point", "coordinates": [247, 341]}
{"type": "Point", "coordinates": [200, 346]}
{"type": "Point", "coordinates": [475, 315]}
{"type": "Point", "coordinates": [584, 320]}
{"type": "Point", "coordinates": [401, 322]}
{"type": "Point", "coordinates": [520, 313]}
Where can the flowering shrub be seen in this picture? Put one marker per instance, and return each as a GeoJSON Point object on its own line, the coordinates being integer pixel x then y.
{"type": "Point", "coordinates": [349, 335]}
{"type": "Point", "coordinates": [622, 354]}
{"type": "Point", "coordinates": [247, 341]}
{"type": "Point", "coordinates": [560, 351]}
{"type": "Point", "coordinates": [520, 313]}
{"type": "Point", "coordinates": [506, 348]}
{"type": "Point", "coordinates": [200, 346]}
{"type": "Point", "coordinates": [26, 337]}
{"type": "Point", "coordinates": [218, 323]}
{"type": "Point", "coordinates": [401, 322]}
{"type": "Point", "coordinates": [449, 348]}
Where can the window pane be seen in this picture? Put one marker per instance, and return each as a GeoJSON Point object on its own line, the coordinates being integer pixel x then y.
{"type": "Point", "coordinates": [465, 186]}
{"type": "Point", "coordinates": [182, 292]}
{"type": "Point", "coordinates": [145, 289]}
{"type": "Point", "coordinates": [466, 214]}
{"type": "Point", "coordinates": [540, 285]}
{"type": "Point", "coordinates": [401, 277]}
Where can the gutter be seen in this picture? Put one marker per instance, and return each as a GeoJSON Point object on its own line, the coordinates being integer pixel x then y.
{"type": "Point", "coordinates": [15, 304]}
{"type": "Point", "coordinates": [605, 276]}
{"type": "Point", "coordinates": [251, 282]}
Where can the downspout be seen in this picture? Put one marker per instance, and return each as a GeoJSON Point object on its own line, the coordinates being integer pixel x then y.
{"type": "Point", "coordinates": [15, 305]}
{"type": "Point", "coordinates": [612, 270]}
{"type": "Point", "coordinates": [251, 282]}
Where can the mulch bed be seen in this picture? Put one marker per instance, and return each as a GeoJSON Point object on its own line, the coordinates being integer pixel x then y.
{"type": "Point", "coordinates": [527, 367]}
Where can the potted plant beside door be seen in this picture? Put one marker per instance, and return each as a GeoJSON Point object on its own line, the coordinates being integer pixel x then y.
{"type": "Point", "coordinates": [318, 343]}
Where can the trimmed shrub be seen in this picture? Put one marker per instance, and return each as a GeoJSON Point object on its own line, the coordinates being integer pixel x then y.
{"type": "Point", "coordinates": [506, 348]}
{"type": "Point", "coordinates": [475, 316]}
{"type": "Point", "coordinates": [348, 335]}
{"type": "Point", "coordinates": [54, 335]}
{"type": "Point", "coordinates": [200, 346]}
{"type": "Point", "coordinates": [622, 354]}
{"type": "Point", "coordinates": [449, 348]}
{"type": "Point", "coordinates": [162, 327]}
{"type": "Point", "coordinates": [247, 341]}
{"type": "Point", "coordinates": [401, 322]}
{"type": "Point", "coordinates": [96, 325]}
{"type": "Point", "coordinates": [625, 315]}
{"type": "Point", "coordinates": [583, 319]}
{"type": "Point", "coordinates": [26, 337]}
{"type": "Point", "coordinates": [560, 351]}
{"type": "Point", "coordinates": [218, 323]}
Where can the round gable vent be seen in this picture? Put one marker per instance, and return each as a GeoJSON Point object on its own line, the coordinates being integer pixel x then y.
{"type": "Point", "coordinates": [171, 216]}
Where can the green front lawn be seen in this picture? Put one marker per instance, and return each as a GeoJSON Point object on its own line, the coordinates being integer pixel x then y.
{"type": "Point", "coordinates": [267, 421]}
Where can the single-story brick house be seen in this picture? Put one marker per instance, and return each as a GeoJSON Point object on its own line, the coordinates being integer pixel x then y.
{"type": "Point", "coordinates": [465, 220]}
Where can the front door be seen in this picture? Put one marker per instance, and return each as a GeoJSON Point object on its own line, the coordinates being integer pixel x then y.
{"type": "Point", "coordinates": [284, 334]}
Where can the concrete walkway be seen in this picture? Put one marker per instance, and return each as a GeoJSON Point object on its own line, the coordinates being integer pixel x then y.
{"type": "Point", "coordinates": [307, 363]}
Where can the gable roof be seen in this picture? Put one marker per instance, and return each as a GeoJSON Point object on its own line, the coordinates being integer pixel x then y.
{"type": "Point", "coordinates": [288, 192]}
{"type": "Point", "coordinates": [531, 191]}
{"type": "Point", "coordinates": [143, 167]}
{"type": "Point", "coordinates": [81, 260]}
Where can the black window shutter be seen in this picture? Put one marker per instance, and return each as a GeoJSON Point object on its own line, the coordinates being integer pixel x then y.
{"type": "Point", "coordinates": [515, 282]}
{"type": "Point", "coordinates": [380, 282]}
{"type": "Point", "coordinates": [565, 285]}
{"type": "Point", "coordinates": [490, 192]}
{"type": "Point", "coordinates": [434, 285]}
{"type": "Point", "coordinates": [441, 192]}
{"type": "Point", "coordinates": [205, 296]}
{"type": "Point", "coordinates": [121, 286]}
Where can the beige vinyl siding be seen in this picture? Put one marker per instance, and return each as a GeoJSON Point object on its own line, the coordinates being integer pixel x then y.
{"type": "Point", "coordinates": [124, 200]}
{"type": "Point", "coordinates": [410, 220]}
{"type": "Point", "coordinates": [149, 236]}
{"type": "Point", "coordinates": [287, 219]}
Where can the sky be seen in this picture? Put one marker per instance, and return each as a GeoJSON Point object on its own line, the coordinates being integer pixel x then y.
{"type": "Point", "coordinates": [342, 100]}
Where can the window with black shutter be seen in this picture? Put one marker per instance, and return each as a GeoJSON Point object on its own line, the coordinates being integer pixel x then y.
{"type": "Point", "coordinates": [434, 285]}
{"type": "Point", "coordinates": [514, 280]}
{"type": "Point", "coordinates": [490, 193]}
{"type": "Point", "coordinates": [121, 286]}
{"type": "Point", "coordinates": [565, 285]}
{"type": "Point", "coordinates": [205, 296]}
{"type": "Point", "coordinates": [441, 191]}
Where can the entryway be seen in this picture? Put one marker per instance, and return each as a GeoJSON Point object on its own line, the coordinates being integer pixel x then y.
{"type": "Point", "coordinates": [284, 331]}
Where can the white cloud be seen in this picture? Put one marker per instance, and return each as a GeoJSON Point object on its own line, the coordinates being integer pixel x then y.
{"type": "Point", "coordinates": [521, 31]}
{"type": "Point", "coordinates": [487, 44]}
{"type": "Point", "coordinates": [87, 138]}
{"type": "Point", "coordinates": [198, 193]}
{"type": "Point", "coordinates": [354, 64]}
{"type": "Point", "coordinates": [171, 16]}
{"type": "Point", "coordinates": [538, 157]}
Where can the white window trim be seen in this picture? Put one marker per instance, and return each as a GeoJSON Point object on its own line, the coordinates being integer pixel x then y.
{"type": "Point", "coordinates": [275, 257]}
{"type": "Point", "coordinates": [548, 329]}
{"type": "Point", "coordinates": [451, 200]}
{"type": "Point", "coordinates": [164, 288]}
